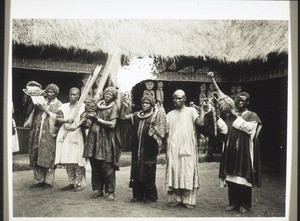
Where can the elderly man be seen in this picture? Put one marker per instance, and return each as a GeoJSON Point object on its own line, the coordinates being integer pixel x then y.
{"type": "Point", "coordinates": [240, 163]}
{"type": "Point", "coordinates": [42, 140]}
{"type": "Point", "coordinates": [182, 175]}
{"type": "Point", "coordinates": [70, 143]}
{"type": "Point", "coordinates": [102, 146]}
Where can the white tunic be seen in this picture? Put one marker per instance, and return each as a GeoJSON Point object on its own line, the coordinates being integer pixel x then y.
{"type": "Point", "coordinates": [70, 149]}
{"type": "Point", "coordinates": [182, 151]}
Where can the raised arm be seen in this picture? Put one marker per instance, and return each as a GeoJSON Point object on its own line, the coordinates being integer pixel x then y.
{"type": "Point", "coordinates": [200, 119]}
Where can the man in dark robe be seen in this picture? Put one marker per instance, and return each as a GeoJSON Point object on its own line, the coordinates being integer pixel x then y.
{"type": "Point", "coordinates": [240, 163]}
{"type": "Point", "coordinates": [102, 145]}
{"type": "Point", "coordinates": [145, 150]}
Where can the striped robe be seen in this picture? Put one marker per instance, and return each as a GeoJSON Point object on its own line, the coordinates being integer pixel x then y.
{"type": "Point", "coordinates": [45, 141]}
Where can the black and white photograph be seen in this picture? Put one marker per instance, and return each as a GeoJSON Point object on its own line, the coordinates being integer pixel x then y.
{"type": "Point", "coordinates": [147, 113]}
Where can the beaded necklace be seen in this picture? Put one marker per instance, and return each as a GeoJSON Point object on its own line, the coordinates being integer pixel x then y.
{"type": "Point", "coordinates": [102, 106]}
{"type": "Point", "coordinates": [143, 115]}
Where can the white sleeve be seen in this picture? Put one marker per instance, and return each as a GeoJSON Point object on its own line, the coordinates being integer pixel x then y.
{"type": "Point", "coordinates": [245, 126]}
{"type": "Point", "coordinates": [222, 126]}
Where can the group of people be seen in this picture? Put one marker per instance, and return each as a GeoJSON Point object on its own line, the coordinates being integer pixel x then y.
{"type": "Point", "coordinates": [69, 135]}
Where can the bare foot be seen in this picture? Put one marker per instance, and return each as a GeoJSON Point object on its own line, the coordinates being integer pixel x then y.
{"type": "Point", "coordinates": [110, 197]}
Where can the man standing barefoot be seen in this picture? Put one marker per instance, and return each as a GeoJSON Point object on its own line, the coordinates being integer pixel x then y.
{"type": "Point", "coordinates": [182, 175]}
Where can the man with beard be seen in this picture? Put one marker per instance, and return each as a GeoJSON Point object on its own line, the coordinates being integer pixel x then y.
{"type": "Point", "coordinates": [240, 163]}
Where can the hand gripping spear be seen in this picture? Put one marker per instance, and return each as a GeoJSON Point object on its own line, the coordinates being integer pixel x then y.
{"type": "Point", "coordinates": [90, 81]}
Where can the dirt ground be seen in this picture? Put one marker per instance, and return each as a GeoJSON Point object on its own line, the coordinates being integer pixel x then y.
{"type": "Point", "coordinates": [268, 201]}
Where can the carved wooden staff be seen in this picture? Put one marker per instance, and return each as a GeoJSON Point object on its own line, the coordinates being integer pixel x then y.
{"type": "Point", "coordinates": [226, 103]}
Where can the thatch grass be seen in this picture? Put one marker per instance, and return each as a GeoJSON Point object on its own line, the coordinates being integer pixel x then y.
{"type": "Point", "coordinates": [229, 41]}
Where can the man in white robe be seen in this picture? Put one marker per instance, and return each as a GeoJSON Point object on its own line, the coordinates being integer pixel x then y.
{"type": "Point", "coordinates": [182, 175]}
{"type": "Point", "coordinates": [70, 142]}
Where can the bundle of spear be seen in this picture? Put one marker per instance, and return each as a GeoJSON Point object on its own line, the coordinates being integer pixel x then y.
{"type": "Point", "coordinates": [91, 80]}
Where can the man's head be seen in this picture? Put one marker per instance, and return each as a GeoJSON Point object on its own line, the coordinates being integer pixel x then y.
{"type": "Point", "coordinates": [242, 101]}
{"type": "Point", "coordinates": [179, 99]}
{"type": "Point", "coordinates": [52, 91]}
{"type": "Point", "coordinates": [148, 103]}
{"type": "Point", "coordinates": [110, 94]}
{"type": "Point", "coordinates": [74, 93]}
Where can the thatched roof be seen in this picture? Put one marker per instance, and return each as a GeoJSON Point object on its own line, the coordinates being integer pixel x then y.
{"type": "Point", "coordinates": [229, 41]}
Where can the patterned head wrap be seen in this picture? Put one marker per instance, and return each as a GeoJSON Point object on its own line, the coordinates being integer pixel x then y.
{"type": "Point", "coordinates": [150, 99]}
{"type": "Point", "coordinates": [53, 87]}
{"type": "Point", "coordinates": [113, 91]}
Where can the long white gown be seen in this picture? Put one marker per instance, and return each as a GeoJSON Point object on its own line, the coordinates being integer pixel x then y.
{"type": "Point", "coordinates": [70, 148]}
{"type": "Point", "coordinates": [182, 151]}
